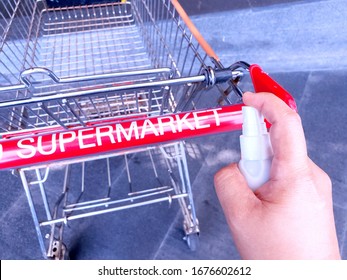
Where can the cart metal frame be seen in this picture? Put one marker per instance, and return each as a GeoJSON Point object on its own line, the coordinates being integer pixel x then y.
{"type": "Point", "coordinates": [69, 75]}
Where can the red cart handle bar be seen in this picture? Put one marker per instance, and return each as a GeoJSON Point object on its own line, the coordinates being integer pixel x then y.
{"type": "Point", "coordinates": [59, 145]}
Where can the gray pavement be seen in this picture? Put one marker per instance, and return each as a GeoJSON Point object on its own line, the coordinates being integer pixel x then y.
{"type": "Point", "coordinates": [302, 44]}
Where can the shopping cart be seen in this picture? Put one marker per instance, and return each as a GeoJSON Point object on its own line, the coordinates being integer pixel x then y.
{"type": "Point", "coordinates": [105, 82]}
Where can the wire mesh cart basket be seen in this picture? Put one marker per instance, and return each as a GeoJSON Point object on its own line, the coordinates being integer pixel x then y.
{"type": "Point", "coordinates": [105, 82]}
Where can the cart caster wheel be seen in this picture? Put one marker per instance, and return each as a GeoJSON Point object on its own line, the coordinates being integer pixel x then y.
{"type": "Point", "coordinates": [193, 241]}
{"type": "Point", "coordinates": [59, 251]}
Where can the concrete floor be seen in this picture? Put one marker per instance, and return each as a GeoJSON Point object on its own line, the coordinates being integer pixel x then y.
{"type": "Point", "coordinates": [302, 44]}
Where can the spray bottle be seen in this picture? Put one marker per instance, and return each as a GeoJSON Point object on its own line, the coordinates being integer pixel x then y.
{"type": "Point", "coordinates": [256, 149]}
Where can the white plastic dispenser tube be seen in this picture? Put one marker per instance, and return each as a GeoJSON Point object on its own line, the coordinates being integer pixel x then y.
{"type": "Point", "coordinates": [256, 149]}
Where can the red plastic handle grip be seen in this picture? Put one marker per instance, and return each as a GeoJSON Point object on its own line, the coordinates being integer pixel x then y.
{"type": "Point", "coordinates": [46, 145]}
{"type": "Point", "coordinates": [262, 82]}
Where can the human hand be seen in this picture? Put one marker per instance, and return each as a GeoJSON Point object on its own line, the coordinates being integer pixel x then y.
{"type": "Point", "coordinates": [290, 216]}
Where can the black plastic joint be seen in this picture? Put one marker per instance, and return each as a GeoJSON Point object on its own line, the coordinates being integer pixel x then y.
{"type": "Point", "coordinates": [223, 75]}
{"type": "Point", "coordinates": [216, 76]}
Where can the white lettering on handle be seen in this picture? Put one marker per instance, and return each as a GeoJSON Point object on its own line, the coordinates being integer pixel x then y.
{"type": "Point", "coordinates": [104, 131]}
{"type": "Point", "coordinates": [183, 120]}
{"type": "Point", "coordinates": [53, 146]}
{"type": "Point", "coordinates": [29, 150]}
{"type": "Point", "coordinates": [198, 119]}
{"type": "Point", "coordinates": [166, 121]}
{"type": "Point", "coordinates": [86, 138]}
{"type": "Point", "coordinates": [64, 140]}
{"type": "Point", "coordinates": [82, 136]}
{"type": "Point", "coordinates": [132, 129]}
{"type": "Point", "coordinates": [148, 123]}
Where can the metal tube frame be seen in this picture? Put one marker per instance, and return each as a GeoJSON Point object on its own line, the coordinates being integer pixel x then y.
{"type": "Point", "coordinates": [68, 69]}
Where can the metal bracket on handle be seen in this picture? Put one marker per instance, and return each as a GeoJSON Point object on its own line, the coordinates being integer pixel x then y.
{"type": "Point", "coordinates": [262, 82]}
{"type": "Point", "coordinates": [220, 74]}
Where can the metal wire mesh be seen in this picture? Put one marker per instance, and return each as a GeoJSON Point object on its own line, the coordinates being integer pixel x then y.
{"type": "Point", "coordinates": [17, 23]}
{"type": "Point", "coordinates": [89, 65]}
{"type": "Point", "coordinates": [78, 41]}
{"type": "Point", "coordinates": [86, 42]}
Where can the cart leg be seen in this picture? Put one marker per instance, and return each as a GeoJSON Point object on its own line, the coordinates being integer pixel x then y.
{"type": "Point", "coordinates": [190, 221]}
{"type": "Point", "coordinates": [57, 249]}
{"type": "Point", "coordinates": [33, 213]}
{"type": "Point", "coordinates": [193, 241]}
{"type": "Point", "coordinates": [184, 173]}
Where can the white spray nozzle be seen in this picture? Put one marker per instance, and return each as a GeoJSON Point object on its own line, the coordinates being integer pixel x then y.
{"type": "Point", "coordinates": [251, 121]}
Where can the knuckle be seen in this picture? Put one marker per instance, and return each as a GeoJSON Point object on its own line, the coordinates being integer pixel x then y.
{"type": "Point", "coordinates": [293, 116]}
{"type": "Point", "coordinates": [326, 180]}
{"type": "Point", "coordinates": [291, 119]}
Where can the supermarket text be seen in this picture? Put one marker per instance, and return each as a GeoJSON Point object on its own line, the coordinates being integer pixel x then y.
{"type": "Point", "coordinates": [122, 135]}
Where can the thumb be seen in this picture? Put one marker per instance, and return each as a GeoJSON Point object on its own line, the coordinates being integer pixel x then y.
{"type": "Point", "coordinates": [236, 198]}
